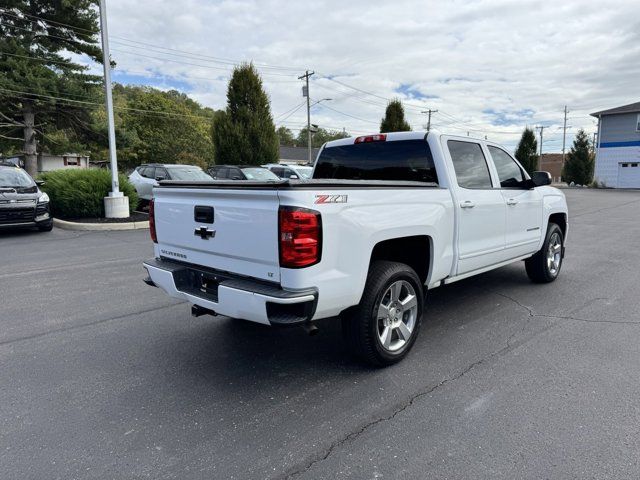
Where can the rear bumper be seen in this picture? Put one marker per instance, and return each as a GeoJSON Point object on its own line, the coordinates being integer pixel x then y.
{"type": "Point", "coordinates": [231, 295]}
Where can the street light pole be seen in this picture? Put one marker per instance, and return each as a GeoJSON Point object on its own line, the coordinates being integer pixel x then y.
{"type": "Point", "coordinates": [116, 205]}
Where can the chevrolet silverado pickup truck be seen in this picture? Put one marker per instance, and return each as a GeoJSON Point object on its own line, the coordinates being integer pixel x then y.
{"type": "Point", "coordinates": [385, 218]}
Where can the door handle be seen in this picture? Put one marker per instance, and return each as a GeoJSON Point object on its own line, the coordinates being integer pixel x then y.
{"type": "Point", "coordinates": [512, 201]}
{"type": "Point", "coordinates": [467, 204]}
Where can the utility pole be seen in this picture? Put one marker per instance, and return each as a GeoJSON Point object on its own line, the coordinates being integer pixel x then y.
{"type": "Point", "coordinates": [429, 112]}
{"type": "Point", "coordinates": [116, 205]}
{"type": "Point", "coordinates": [541, 127]}
{"type": "Point", "coordinates": [305, 93]}
{"type": "Point", "coordinates": [564, 133]}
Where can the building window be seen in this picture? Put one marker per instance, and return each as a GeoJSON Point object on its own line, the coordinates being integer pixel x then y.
{"type": "Point", "coordinates": [638, 123]}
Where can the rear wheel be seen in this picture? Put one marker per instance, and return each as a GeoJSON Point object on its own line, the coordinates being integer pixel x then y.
{"type": "Point", "coordinates": [544, 266]}
{"type": "Point", "coordinates": [383, 327]}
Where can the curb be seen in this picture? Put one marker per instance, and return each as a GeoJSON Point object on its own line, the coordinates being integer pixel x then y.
{"type": "Point", "coordinates": [66, 225]}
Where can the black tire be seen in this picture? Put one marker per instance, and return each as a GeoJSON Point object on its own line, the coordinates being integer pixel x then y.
{"type": "Point", "coordinates": [360, 324]}
{"type": "Point", "coordinates": [46, 228]}
{"type": "Point", "coordinates": [539, 268]}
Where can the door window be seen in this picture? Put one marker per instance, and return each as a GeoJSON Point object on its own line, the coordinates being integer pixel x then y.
{"type": "Point", "coordinates": [148, 172]}
{"type": "Point", "coordinates": [279, 171]}
{"type": "Point", "coordinates": [469, 164]}
{"type": "Point", "coordinates": [509, 172]}
{"type": "Point", "coordinates": [161, 174]}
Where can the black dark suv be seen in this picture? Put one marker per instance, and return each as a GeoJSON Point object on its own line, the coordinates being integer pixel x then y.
{"type": "Point", "coordinates": [22, 203]}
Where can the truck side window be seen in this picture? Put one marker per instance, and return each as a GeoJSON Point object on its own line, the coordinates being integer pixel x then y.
{"type": "Point", "coordinates": [509, 173]}
{"type": "Point", "coordinates": [469, 164]}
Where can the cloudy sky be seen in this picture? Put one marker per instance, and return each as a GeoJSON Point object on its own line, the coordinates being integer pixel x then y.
{"type": "Point", "coordinates": [489, 67]}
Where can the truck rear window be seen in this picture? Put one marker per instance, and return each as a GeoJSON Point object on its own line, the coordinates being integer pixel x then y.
{"type": "Point", "coordinates": [408, 160]}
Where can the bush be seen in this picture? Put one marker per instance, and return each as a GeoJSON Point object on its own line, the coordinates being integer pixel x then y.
{"type": "Point", "coordinates": [80, 193]}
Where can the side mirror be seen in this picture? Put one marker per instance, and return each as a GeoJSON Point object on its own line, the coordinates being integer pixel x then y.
{"type": "Point", "coordinates": [159, 179]}
{"type": "Point", "coordinates": [236, 177]}
{"type": "Point", "coordinates": [294, 177]}
{"type": "Point", "coordinates": [541, 179]}
{"type": "Point", "coordinates": [40, 182]}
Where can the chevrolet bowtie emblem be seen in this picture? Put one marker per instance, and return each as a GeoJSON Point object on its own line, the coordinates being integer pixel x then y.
{"type": "Point", "coordinates": [204, 233]}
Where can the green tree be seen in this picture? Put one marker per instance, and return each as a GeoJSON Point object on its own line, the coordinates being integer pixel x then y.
{"type": "Point", "coordinates": [285, 136]}
{"type": "Point", "coordinates": [394, 120]}
{"type": "Point", "coordinates": [169, 127]}
{"type": "Point", "coordinates": [35, 70]}
{"type": "Point", "coordinates": [245, 133]}
{"type": "Point", "coordinates": [526, 152]}
{"type": "Point", "coordinates": [320, 137]}
{"type": "Point", "coordinates": [580, 161]}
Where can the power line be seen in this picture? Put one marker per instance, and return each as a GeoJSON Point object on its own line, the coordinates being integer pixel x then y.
{"type": "Point", "coordinates": [27, 95]}
{"type": "Point", "coordinates": [349, 115]}
{"type": "Point", "coordinates": [289, 112]}
{"type": "Point", "coordinates": [48, 60]}
{"type": "Point", "coordinates": [258, 64]}
{"type": "Point", "coordinates": [66, 25]}
{"type": "Point", "coordinates": [275, 74]}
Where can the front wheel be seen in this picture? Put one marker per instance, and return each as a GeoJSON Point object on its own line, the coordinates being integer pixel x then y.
{"type": "Point", "coordinates": [383, 327]}
{"type": "Point", "coordinates": [47, 227]}
{"type": "Point", "coordinates": [545, 265]}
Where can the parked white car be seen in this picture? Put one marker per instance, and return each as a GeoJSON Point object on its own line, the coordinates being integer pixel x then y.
{"type": "Point", "coordinates": [147, 176]}
{"type": "Point", "coordinates": [385, 218]}
{"type": "Point", "coordinates": [290, 171]}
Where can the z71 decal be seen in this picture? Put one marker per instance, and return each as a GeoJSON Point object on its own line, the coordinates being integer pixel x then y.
{"type": "Point", "coordinates": [331, 199]}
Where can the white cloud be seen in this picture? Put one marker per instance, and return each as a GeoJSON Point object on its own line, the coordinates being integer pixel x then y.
{"type": "Point", "coordinates": [489, 67]}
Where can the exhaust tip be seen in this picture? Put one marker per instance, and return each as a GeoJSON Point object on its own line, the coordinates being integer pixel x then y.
{"type": "Point", "coordinates": [311, 329]}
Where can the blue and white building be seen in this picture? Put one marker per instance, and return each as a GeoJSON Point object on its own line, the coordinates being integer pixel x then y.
{"type": "Point", "coordinates": [618, 146]}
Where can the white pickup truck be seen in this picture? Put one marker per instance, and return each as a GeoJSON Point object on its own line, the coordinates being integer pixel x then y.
{"type": "Point", "coordinates": [384, 218]}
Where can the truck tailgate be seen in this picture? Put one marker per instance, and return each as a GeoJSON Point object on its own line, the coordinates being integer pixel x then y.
{"type": "Point", "coordinates": [242, 237]}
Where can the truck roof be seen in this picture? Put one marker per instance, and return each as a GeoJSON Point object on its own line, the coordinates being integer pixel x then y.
{"type": "Point", "coordinates": [395, 136]}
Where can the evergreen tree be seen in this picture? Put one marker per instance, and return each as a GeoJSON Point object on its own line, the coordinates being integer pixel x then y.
{"type": "Point", "coordinates": [580, 162]}
{"type": "Point", "coordinates": [394, 120]}
{"type": "Point", "coordinates": [245, 133]}
{"type": "Point", "coordinates": [35, 72]}
{"type": "Point", "coordinates": [526, 153]}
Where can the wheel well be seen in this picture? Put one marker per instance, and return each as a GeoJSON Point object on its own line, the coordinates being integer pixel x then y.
{"type": "Point", "coordinates": [414, 251]}
{"type": "Point", "coordinates": [559, 219]}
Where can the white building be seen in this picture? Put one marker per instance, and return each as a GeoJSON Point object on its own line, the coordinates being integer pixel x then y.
{"type": "Point", "coordinates": [48, 162]}
{"type": "Point", "coordinates": [618, 146]}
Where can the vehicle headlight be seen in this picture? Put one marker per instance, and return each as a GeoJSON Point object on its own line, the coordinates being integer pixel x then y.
{"type": "Point", "coordinates": [44, 198]}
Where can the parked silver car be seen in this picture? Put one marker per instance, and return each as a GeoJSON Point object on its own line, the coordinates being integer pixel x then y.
{"type": "Point", "coordinates": [292, 171]}
{"type": "Point", "coordinates": [147, 176]}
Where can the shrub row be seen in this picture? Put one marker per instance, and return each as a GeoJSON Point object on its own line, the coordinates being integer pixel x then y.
{"type": "Point", "coordinates": [79, 193]}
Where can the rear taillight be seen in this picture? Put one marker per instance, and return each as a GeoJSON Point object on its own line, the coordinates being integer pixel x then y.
{"type": "Point", "coordinates": [152, 222]}
{"type": "Point", "coordinates": [381, 137]}
{"type": "Point", "coordinates": [300, 233]}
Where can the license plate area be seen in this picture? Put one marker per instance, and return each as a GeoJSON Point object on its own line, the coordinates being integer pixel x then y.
{"type": "Point", "coordinates": [209, 285]}
{"type": "Point", "coordinates": [198, 282]}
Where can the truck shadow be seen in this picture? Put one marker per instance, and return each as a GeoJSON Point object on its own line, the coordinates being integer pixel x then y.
{"type": "Point", "coordinates": [238, 355]}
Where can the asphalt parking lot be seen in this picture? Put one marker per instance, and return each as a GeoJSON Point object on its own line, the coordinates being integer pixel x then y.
{"type": "Point", "coordinates": [104, 377]}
